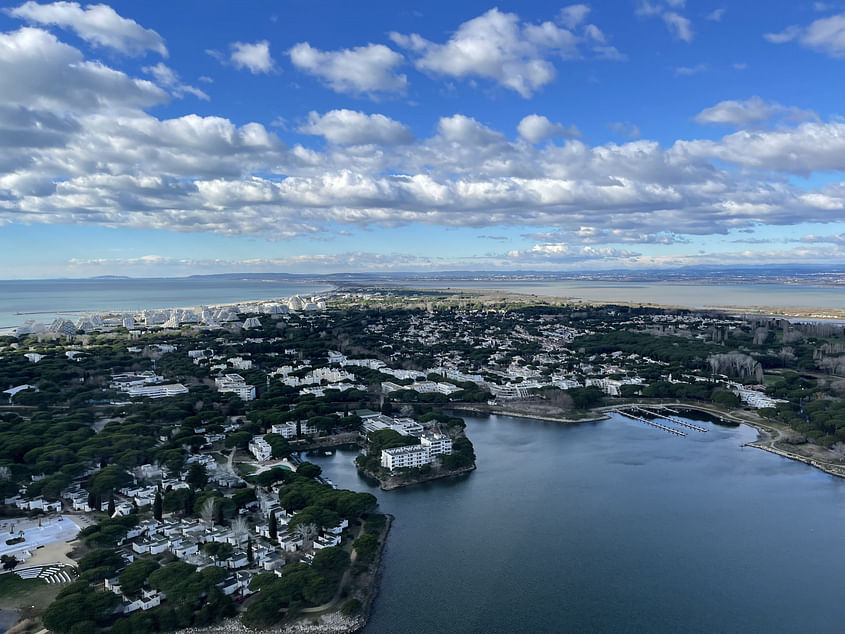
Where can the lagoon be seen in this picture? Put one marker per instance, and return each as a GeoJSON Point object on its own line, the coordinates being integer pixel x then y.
{"type": "Point", "coordinates": [611, 526]}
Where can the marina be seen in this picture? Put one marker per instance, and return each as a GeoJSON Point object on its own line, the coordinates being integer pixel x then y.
{"type": "Point", "coordinates": [673, 419]}
{"type": "Point", "coordinates": [627, 414]}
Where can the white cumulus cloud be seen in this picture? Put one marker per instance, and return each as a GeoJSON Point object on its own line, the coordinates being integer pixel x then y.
{"type": "Point", "coordinates": [97, 24]}
{"type": "Point", "coordinates": [497, 46]}
{"type": "Point", "coordinates": [535, 128]}
{"type": "Point", "coordinates": [369, 69]}
{"type": "Point", "coordinates": [254, 57]}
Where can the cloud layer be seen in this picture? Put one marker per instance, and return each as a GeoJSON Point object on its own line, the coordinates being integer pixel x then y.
{"type": "Point", "coordinates": [81, 145]}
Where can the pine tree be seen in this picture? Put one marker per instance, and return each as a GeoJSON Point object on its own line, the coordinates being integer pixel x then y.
{"type": "Point", "coordinates": [157, 506]}
{"type": "Point", "coordinates": [111, 504]}
{"type": "Point", "coordinates": [249, 554]}
{"type": "Point", "coordinates": [274, 526]}
{"type": "Point", "coordinates": [218, 513]}
{"type": "Point", "coordinates": [93, 501]}
{"type": "Point", "coordinates": [189, 502]}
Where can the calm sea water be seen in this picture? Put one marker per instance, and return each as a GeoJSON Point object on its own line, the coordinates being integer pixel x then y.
{"type": "Point", "coordinates": [611, 527]}
{"type": "Point", "coordinates": [43, 300]}
{"type": "Point", "coordinates": [691, 295]}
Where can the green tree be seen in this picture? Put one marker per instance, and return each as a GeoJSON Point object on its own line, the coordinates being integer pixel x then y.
{"type": "Point", "coordinates": [274, 527]}
{"type": "Point", "coordinates": [134, 576]}
{"type": "Point", "coordinates": [9, 562]}
{"type": "Point", "coordinates": [197, 475]}
{"type": "Point", "coordinates": [157, 506]}
{"type": "Point", "coordinates": [108, 479]}
{"type": "Point", "coordinates": [351, 607]}
{"type": "Point", "coordinates": [309, 470]}
{"type": "Point", "coordinates": [331, 562]}
{"type": "Point", "coordinates": [366, 546]}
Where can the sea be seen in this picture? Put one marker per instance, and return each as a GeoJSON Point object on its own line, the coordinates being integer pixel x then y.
{"type": "Point", "coordinates": [692, 295]}
{"type": "Point", "coordinates": [612, 526]}
{"type": "Point", "coordinates": [44, 300]}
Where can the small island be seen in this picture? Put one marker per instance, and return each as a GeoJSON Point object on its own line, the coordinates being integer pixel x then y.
{"type": "Point", "coordinates": [400, 452]}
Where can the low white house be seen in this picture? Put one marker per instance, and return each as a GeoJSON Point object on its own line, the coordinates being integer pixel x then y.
{"type": "Point", "coordinates": [148, 600]}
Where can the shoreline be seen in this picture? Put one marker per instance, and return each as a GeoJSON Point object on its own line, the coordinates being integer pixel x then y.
{"type": "Point", "coordinates": [385, 484]}
{"type": "Point", "coordinates": [375, 584]}
{"type": "Point", "coordinates": [111, 312]}
{"type": "Point", "coordinates": [501, 411]}
{"type": "Point", "coordinates": [809, 313]}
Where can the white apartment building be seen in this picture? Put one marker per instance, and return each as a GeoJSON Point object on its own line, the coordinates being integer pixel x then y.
{"type": "Point", "coordinates": [288, 430]}
{"type": "Point", "coordinates": [260, 448]}
{"type": "Point", "coordinates": [423, 387]}
{"type": "Point", "coordinates": [407, 426]}
{"type": "Point", "coordinates": [157, 391]}
{"type": "Point", "coordinates": [317, 376]}
{"type": "Point", "coordinates": [336, 357]}
{"type": "Point", "coordinates": [237, 384]}
{"type": "Point", "coordinates": [400, 457]}
{"type": "Point", "coordinates": [372, 364]}
{"type": "Point", "coordinates": [437, 444]}
{"type": "Point", "coordinates": [511, 390]}
{"type": "Point", "coordinates": [239, 363]}
{"type": "Point", "coordinates": [612, 387]}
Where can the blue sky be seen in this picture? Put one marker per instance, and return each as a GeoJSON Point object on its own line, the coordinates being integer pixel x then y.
{"type": "Point", "coordinates": [205, 137]}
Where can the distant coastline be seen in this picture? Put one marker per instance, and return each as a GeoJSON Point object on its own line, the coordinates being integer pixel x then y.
{"type": "Point", "coordinates": [45, 300]}
{"type": "Point", "coordinates": [788, 293]}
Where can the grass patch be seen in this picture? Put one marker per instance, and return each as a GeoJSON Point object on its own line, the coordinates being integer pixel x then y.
{"type": "Point", "coordinates": [245, 469]}
{"type": "Point", "coordinates": [12, 585]}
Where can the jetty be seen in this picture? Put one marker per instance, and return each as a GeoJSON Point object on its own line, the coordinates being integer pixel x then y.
{"type": "Point", "coordinates": [677, 421]}
{"type": "Point", "coordinates": [671, 430]}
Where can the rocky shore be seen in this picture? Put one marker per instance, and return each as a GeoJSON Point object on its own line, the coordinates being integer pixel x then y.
{"type": "Point", "coordinates": [389, 482]}
{"type": "Point", "coordinates": [332, 623]}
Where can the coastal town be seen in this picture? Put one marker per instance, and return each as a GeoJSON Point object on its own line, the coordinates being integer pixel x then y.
{"type": "Point", "coordinates": [154, 466]}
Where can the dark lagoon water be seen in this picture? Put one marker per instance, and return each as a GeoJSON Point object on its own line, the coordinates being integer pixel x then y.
{"type": "Point", "coordinates": [611, 527]}
{"type": "Point", "coordinates": [43, 300]}
{"type": "Point", "coordinates": [693, 295]}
